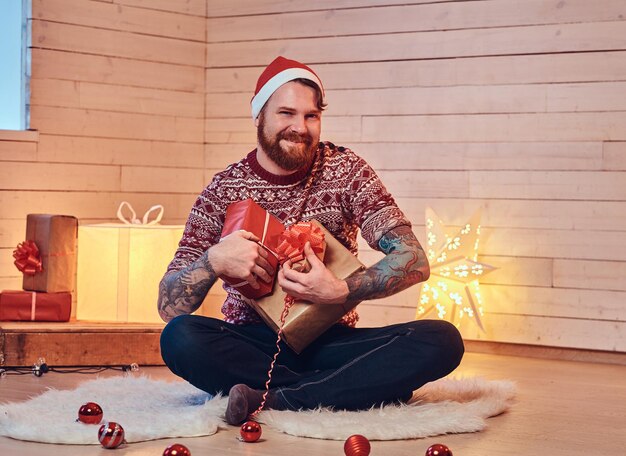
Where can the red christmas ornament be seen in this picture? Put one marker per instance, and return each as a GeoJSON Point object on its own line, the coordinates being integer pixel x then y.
{"type": "Point", "coordinates": [111, 435]}
{"type": "Point", "coordinates": [357, 445]}
{"type": "Point", "coordinates": [438, 449]}
{"type": "Point", "coordinates": [177, 450]}
{"type": "Point", "coordinates": [90, 413]}
{"type": "Point", "coordinates": [250, 431]}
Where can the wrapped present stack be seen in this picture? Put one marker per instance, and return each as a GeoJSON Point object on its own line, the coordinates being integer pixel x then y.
{"type": "Point", "coordinates": [306, 321]}
{"type": "Point", "coordinates": [47, 260]}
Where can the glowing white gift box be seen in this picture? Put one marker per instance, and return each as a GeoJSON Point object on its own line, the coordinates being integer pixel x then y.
{"type": "Point", "coordinates": [119, 270]}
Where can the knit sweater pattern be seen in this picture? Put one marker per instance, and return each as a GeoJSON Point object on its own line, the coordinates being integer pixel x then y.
{"type": "Point", "coordinates": [340, 190]}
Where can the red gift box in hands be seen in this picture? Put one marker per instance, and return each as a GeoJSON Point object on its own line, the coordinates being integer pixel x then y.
{"type": "Point", "coordinates": [249, 216]}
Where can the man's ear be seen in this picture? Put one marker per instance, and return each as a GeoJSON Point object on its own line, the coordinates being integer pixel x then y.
{"type": "Point", "coordinates": [256, 121]}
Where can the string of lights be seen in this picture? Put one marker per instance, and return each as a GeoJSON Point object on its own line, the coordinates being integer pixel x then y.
{"type": "Point", "coordinates": [41, 367]}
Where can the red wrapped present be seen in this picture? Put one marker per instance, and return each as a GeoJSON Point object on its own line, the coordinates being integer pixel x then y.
{"type": "Point", "coordinates": [32, 306]}
{"type": "Point", "coordinates": [306, 321]}
{"type": "Point", "coordinates": [249, 216]}
{"type": "Point", "coordinates": [48, 256]}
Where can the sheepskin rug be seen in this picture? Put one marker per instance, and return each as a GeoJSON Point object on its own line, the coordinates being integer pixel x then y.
{"type": "Point", "coordinates": [152, 409]}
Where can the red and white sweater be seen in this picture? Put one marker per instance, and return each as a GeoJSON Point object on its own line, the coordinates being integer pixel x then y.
{"type": "Point", "coordinates": [344, 194]}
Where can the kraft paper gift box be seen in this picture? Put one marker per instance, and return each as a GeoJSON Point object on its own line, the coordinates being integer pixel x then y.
{"type": "Point", "coordinates": [119, 270]}
{"type": "Point", "coordinates": [248, 215]}
{"type": "Point", "coordinates": [33, 306]}
{"type": "Point", "coordinates": [55, 237]}
{"type": "Point", "coordinates": [307, 321]}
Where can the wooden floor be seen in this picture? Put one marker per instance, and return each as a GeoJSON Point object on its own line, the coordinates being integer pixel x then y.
{"type": "Point", "coordinates": [563, 408]}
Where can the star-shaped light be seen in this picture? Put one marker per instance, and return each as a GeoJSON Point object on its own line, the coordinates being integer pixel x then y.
{"type": "Point", "coordinates": [453, 289]}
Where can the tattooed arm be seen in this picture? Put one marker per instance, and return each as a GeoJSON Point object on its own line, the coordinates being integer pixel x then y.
{"type": "Point", "coordinates": [404, 264]}
{"type": "Point", "coordinates": [182, 292]}
{"type": "Point", "coordinates": [237, 255]}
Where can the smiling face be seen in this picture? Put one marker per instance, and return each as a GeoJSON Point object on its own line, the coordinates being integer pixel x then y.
{"type": "Point", "coordinates": [289, 126]}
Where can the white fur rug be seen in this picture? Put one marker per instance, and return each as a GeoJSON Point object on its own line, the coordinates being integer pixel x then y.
{"type": "Point", "coordinates": [151, 409]}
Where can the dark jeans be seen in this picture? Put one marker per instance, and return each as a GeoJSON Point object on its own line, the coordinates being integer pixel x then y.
{"type": "Point", "coordinates": [345, 368]}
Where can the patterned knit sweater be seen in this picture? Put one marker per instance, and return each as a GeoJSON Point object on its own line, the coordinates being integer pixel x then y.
{"type": "Point", "coordinates": [340, 190]}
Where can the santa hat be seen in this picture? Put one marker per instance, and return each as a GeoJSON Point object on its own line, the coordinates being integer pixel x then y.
{"type": "Point", "coordinates": [277, 73]}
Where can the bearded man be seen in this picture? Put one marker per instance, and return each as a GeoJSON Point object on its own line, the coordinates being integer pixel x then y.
{"type": "Point", "coordinates": [295, 177]}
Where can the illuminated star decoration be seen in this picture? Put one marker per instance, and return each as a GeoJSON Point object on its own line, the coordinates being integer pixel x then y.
{"type": "Point", "coordinates": [453, 290]}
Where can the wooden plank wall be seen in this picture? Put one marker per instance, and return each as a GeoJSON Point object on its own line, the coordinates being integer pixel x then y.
{"type": "Point", "coordinates": [515, 107]}
{"type": "Point", "coordinates": [117, 102]}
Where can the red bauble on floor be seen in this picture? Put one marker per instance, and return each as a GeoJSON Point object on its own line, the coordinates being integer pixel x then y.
{"type": "Point", "coordinates": [111, 435]}
{"type": "Point", "coordinates": [438, 449]}
{"type": "Point", "coordinates": [357, 445]}
{"type": "Point", "coordinates": [177, 449]}
{"type": "Point", "coordinates": [250, 431]}
{"type": "Point", "coordinates": [90, 413]}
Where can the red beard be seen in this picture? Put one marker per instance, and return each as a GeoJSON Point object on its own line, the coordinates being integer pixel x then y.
{"type": "Point", "coordinates": [288, 158]}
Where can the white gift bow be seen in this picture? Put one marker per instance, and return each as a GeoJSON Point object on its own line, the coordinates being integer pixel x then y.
{"type": "Point", "coordinates": [134, 220]}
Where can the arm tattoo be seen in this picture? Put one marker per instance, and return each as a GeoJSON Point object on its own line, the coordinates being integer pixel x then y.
{"type": "Point", "coordinates": [405, 264]}
{"type": "Point", "coordinates": [182, 292]}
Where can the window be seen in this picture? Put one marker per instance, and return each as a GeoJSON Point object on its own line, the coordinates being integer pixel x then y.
{"type": "Point", "coordinates": [14, 64]}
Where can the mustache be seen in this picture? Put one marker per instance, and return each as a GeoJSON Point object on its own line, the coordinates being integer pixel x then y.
{"type": "Point", "coordinates": [292, 136]}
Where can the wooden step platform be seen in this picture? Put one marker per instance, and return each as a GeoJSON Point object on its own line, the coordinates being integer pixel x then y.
{"type": "Point", "coordinates": [107, 344]}
{"type": "Point", "coordinates": [79, 343]}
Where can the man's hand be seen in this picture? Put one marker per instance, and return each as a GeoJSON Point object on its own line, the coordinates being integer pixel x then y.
{"type": "Point", "coordinates": [239, 256]}
{"type": "Point", "coordinates": [319, 285]}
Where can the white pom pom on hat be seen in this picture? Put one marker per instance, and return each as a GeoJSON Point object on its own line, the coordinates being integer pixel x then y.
{"type": "Point", "coordinates": [277, 73]}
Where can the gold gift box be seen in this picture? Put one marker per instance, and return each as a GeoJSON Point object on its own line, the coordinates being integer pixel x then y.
{"type": "Point", "coordinates": [55, 236]}
{"type": "Point", "coordinates": [306, 321]}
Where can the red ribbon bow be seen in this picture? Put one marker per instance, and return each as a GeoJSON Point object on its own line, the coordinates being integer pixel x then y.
{"type": "Point", "coordinates": [27, 258]}
{"type": "Point", "coordinates": [292, 240]}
